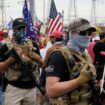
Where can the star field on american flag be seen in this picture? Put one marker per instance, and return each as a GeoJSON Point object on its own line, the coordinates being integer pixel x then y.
{"type": "Point", "coordinates": [53, 10]}
{"type": "Point", "coordinates": [55, 22]}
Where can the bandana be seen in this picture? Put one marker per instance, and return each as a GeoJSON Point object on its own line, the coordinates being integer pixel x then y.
{"type": "Point", "coordinates": [78, 43]}
{"type": "Point", "coordinates": [20, 37]}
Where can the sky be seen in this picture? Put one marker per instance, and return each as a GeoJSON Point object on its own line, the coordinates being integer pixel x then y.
{"type": "Point", "coordinates": [13, 8]}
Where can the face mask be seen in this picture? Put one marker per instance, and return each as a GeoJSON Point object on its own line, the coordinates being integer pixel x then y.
{"type": "Point", "coordinates": [20, 37]}
{"type": "Point", "coordinates": [86, 32]}
{"type": "Point", "coordinates": [78, 42]}
{"type": "Point", "coordinates": [83, 41]}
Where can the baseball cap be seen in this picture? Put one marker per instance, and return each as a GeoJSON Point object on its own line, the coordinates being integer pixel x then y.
{"type": "Point", "coordinates": [80, 24]}
{"type": "Point", "coordinates": [102, 35]}
{"type": "Point", "coordinates": [57, 34]}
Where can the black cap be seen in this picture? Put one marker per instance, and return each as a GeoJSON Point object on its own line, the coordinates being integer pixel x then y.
{"type": "Point", "coordinates": [102, 35]}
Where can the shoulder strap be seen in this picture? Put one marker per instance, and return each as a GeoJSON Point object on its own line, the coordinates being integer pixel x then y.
{"type": "Point", "coordinates": [67, 56]}
{"type": "Point", "coordinates": [79, 57]}
{"type": "Point", "coordinates": [51, 51]}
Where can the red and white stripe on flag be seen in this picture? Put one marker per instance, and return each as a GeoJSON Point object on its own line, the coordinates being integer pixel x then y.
{"type": "Point", "coordinates": [55, 24]}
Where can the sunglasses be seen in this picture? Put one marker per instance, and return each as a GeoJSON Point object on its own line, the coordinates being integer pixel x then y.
{"type": "Point", "coordinates": [86, 32]}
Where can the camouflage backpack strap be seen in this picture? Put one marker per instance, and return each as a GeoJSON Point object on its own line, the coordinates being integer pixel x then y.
{"type": "Point", "coordinates": [73, 60]}
{"type": "Point", "coordinates": [30, 43]}
{"type": "Point", "coordinates": [67, 56]}
{"type": "Point", "coordinates": [51, 51]}
{"type": "Point", "coordinates": [79, 57]}
{"type": "Point", "coordinates": [85, 58]}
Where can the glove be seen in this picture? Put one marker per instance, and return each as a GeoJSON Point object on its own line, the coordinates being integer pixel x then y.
{"type": "Point", "coordinates": [85, 75]}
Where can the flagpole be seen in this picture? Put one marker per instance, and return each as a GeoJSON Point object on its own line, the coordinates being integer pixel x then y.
{"type": "Point", "coordinates": [32, 9]}
{"type": "Point", "coordinates": [2, 7]}
{"type": "Point", "coordinates": [35, 12]}
{"type": "Point", "coordinates": [44, 12]}
{"type": "Point", "coordinates": [48, 9]}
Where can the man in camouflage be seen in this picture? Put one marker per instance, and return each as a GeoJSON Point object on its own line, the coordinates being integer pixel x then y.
{"type": "Point", "coordinates": [20, 91]}
{"type": "Point", "coordinates": [68, 68]}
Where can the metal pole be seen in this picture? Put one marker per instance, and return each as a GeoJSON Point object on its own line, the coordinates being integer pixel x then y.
{"type": "Point", "coordinates": [32, 9]}
{"type": "Point", "coordinates": [75, 8]}
{"type": "Point", "coordinates": [48, 9]}
{"type": "Point", "coordinates": [69, 11]}
{"type": "Point", "coordinates": [94, 11]}
{"type": "Point", "coordinates": [35, 11]}
{"type": "Point", "coordinates": [44, 12]}
{"type": "Point", "coordinates": [2, 12]}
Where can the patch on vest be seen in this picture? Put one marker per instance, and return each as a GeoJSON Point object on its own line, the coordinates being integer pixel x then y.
{"type": "Point", "coordinates": [50, 68]}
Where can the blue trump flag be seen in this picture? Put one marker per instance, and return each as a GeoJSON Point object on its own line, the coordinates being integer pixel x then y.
{"type": "Point", "coordinates": [30, 30]}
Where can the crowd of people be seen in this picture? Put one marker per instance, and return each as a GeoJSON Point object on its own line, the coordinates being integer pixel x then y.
{"type": "Point", "coordinates": [63, 68]}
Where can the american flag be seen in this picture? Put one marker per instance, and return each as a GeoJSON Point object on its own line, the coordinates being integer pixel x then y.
{"type": "Point", "coordinates": [55, 22]}
{"type": "Point", "coordinates": [30, 32]}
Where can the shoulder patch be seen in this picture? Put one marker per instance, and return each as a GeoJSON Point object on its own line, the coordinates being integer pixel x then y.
{"type": "Point", "coordinates": [50, 68]}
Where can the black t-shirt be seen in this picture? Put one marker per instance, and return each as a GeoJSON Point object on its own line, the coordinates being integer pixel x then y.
{"type": "Point", "coordinates": [57, 67]}
{"type": "Point", "coordinates": [99, 59]}
{"type": "Point", "coordinates": [23, 84]}
{"type": "Point", "coordinates": [98, 47]}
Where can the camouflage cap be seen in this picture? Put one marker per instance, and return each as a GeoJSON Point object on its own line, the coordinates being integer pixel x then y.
{"type": "Point", "coordinates": [80, 24]}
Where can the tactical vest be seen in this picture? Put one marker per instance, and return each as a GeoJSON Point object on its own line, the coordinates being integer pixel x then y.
{"type": "Point", "coordinates": [81, 94]}
{"type": "Point", "coordinates": [14, 71]}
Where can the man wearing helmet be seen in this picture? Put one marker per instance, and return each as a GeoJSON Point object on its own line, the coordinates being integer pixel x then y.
{"type": "Point", "coordinates": [68, 69]}
{"type": "Point", "coordinates": [20, 91]}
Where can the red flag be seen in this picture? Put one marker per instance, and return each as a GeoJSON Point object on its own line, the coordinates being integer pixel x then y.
{"type": "Point", "coordinates": [55, 22]}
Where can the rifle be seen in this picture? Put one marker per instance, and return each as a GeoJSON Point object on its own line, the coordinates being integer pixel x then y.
{"type": "Point", "coordinates": [26, 68]}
